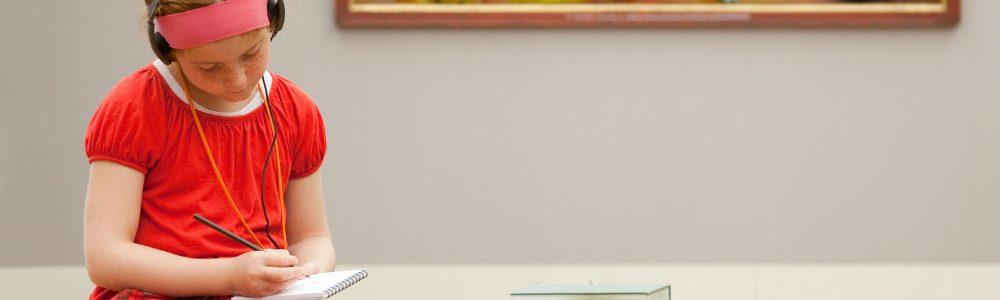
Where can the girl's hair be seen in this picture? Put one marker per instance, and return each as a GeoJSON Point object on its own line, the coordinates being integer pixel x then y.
{"type": "Point", "coordinates": [168, 7]}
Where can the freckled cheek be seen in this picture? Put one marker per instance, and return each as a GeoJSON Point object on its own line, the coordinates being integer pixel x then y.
{"type": "Point", "coordinates": [255, 69]}
{"type": "Point", "coordinates": [210, 84]}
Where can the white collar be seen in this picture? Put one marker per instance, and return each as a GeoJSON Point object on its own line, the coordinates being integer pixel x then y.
{"type": "Point", "coordinates": [177, 90]}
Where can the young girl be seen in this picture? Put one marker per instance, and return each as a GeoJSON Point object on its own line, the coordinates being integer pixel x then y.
{"type": "Point", "coordinates": [205, 130]}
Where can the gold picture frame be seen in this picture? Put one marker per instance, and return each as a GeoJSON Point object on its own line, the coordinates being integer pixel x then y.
{"type": "Point", "coordinates": [647, 13]}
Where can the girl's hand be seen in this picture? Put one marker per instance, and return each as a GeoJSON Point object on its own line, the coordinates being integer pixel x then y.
{"type": "Point", "coordinates": [264, 273]}
{"type": "Point", "coordinates": [312, 268]}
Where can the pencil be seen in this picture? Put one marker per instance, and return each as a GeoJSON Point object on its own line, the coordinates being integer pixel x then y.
{"type": "Point", "coordinates": [231, 235]}
{"type": "Point", "coordinates": [226, 232]}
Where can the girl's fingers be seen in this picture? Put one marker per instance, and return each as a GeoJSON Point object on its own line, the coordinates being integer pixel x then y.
{"type": "Point", "coordinates": [311, 268]}
{"type": "Point", "coordinates": [276, 259]}
{"type": "Point", "coordinates": [278, 251]}
{"type": "Point", "coordinates": [276, 287]}
{"type": "Point", "coordinates": [283, 274]}
{"type": "Point", "coordinates": [289, 282]}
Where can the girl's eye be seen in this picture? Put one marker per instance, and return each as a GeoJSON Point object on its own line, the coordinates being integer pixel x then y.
{"type": "Point", "coordinates": [252, 55]}
{"type": "Point", "coordinates": [209, 69]}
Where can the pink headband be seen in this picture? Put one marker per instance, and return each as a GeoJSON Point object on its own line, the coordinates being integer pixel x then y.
{"type": "Point", "coordinates": [211, 23]}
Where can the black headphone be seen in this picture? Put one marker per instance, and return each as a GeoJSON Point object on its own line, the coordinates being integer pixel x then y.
{"type": "Point", "coordinates": [275, 14]}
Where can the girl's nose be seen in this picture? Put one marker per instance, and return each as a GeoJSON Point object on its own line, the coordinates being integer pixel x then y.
{"type": "Point", "coordinates": [238, 80]}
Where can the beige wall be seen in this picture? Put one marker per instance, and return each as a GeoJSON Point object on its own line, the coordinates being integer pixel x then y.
{"type": "Point", "coordinates": [570, 146]}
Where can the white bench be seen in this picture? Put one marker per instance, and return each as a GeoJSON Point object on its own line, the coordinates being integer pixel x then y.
{"type": "Point", "coordinates": [689, 281]}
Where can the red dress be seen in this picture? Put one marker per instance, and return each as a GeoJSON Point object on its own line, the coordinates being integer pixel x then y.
{"type": "Point", "coordinates": [144, 125]}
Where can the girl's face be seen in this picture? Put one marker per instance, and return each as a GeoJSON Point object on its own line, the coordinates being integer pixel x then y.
{"type": "Point", "coordinates": [228, 69]}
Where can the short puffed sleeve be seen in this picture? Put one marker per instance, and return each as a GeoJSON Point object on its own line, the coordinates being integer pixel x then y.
{"type": "Point", "coordinates": [125, 129]}
{"type": "Point", "coordinates": [309, 146]}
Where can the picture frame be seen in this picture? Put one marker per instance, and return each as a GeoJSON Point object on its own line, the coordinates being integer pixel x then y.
{"type": "Point", "coordinates": [648, 13]}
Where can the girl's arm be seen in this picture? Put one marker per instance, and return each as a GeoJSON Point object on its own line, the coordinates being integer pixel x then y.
{"type": "Point", "coordinates": [114, 261]}
{"type": "Point", "coordinates": [308, 234]}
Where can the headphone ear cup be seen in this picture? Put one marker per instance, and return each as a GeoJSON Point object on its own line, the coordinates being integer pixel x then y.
{"type": "Point", "coordinates": [156, 41]}
{"type": "Point", "coordinates": [276, 15]}
{"type": "Point", "coordinates": [162, 48]}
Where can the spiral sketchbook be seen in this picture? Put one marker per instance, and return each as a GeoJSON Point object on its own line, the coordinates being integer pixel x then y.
{"type": "Point", "coordinates": [317, 286]}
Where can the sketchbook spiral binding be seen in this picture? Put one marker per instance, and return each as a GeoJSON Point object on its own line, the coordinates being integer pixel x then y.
{"type": "Point", "coordinates": [346, 283]}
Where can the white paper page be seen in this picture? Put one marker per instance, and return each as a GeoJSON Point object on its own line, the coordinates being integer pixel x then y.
{"type": "Point", "coordinates": [314, 284]}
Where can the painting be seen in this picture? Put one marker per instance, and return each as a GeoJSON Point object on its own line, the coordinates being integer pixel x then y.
{"type": "Point", "coordinates": [647, 13]}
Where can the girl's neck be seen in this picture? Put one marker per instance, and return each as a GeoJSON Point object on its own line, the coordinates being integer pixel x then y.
{"type": "Point", "coordinates": [204, 99]}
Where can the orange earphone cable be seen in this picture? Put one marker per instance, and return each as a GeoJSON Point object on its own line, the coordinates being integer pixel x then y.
{"type": "Point", "coordinates": [211, 160]}
{"type": "Point", "coordinates": [281, 197]}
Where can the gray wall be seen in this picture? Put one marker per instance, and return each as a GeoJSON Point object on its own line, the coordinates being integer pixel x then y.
{"type": "Point", "coordinates": [570, 146]}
